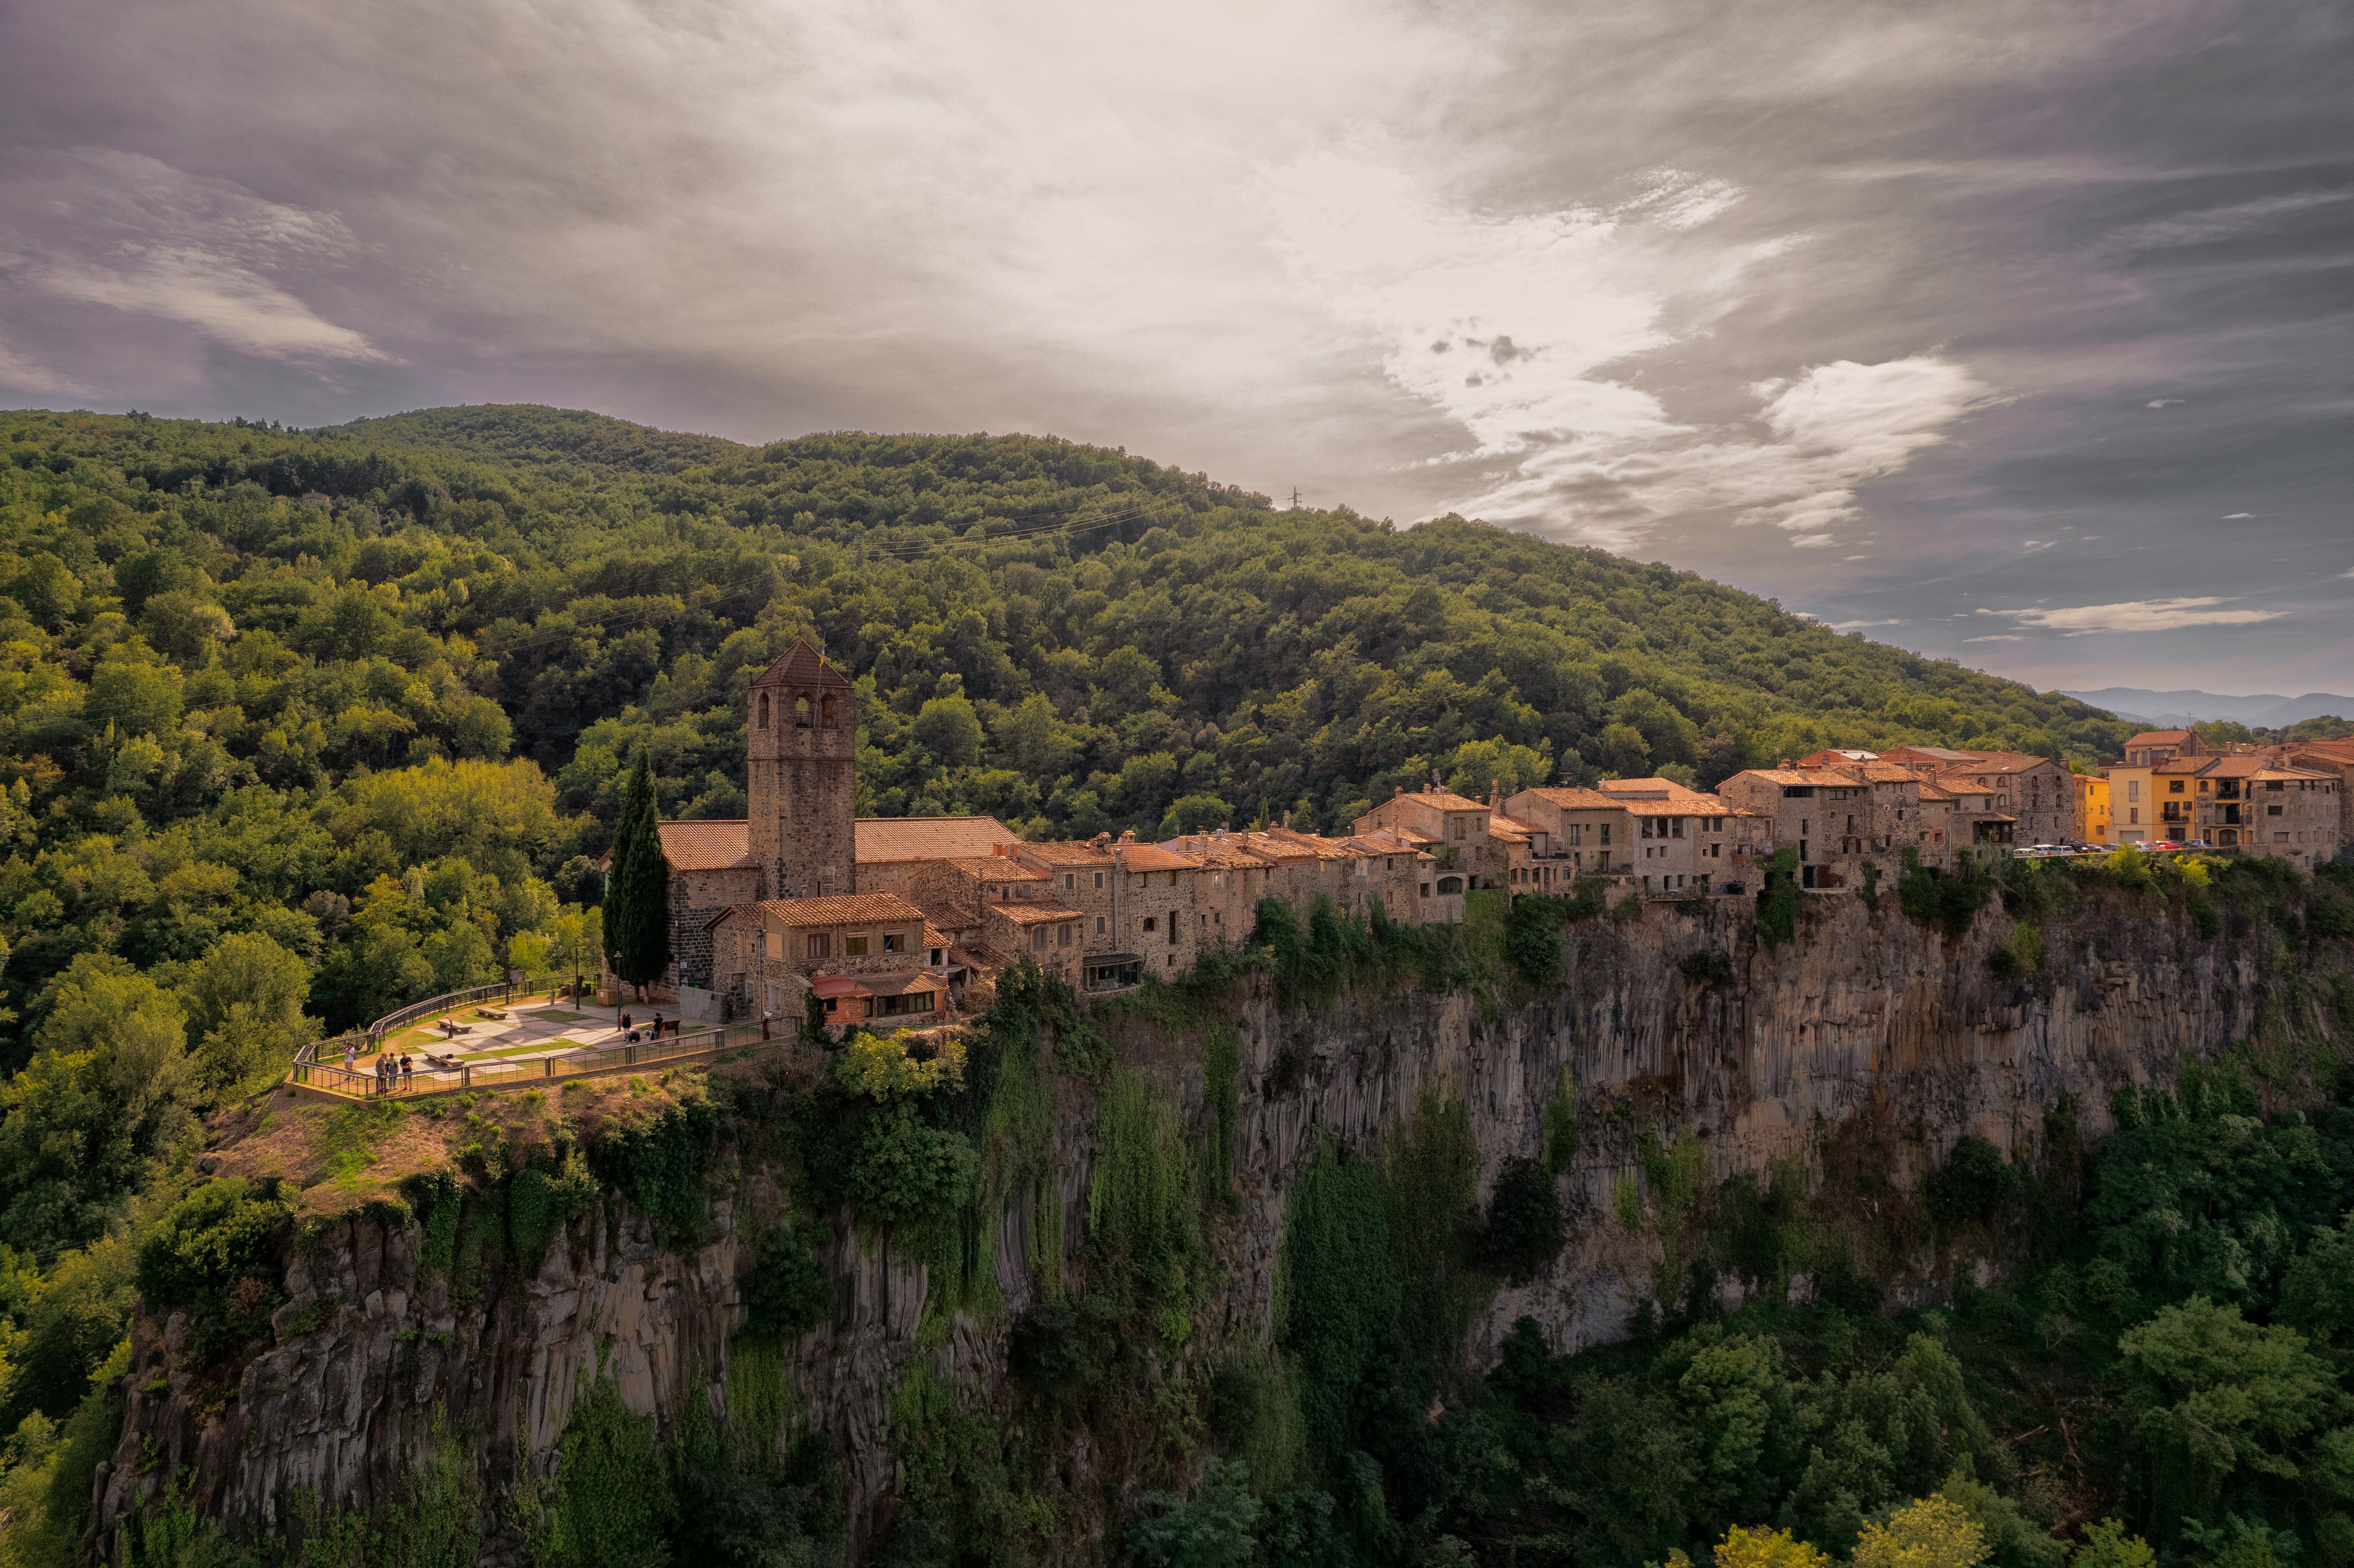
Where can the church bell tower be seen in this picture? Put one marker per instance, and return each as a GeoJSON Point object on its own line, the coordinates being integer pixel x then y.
{"type": "Point", "coordinates": [801, 777]}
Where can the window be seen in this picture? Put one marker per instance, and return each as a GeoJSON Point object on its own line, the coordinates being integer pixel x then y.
{"type": "Point", "coordinates": [1099, 882]}
{"type": "Point", "coordinates": [1062, 935]}
{"type": "Point", "coordinates": [2174, 786]}
{"type": "Point", "coordinates": [2272, 811]}
{"type": "Point", "coordinates": [801, 711]}
{"type": "Point", "coordinates": [817, 945]}
{"type": "Point", "coordinates": [1149, 924]}
{"type": "Point", "coordinates": [1172, 924]}
{"type": "Point", "coordinates": [1648, 825]}
{"type": "Point", "coordinates": [763, 720]}
{"type": "Point", "coordinates": [1038, 938]}
{"type": "Point", "coordinates": [826, 704]}
{"type": "Point", "coordinates": [1605, 834]}
{"type": "Point", "coordinates": [891, 942]}
{"type": "Point", "coordinates": [1447, 885]}
{"type": "Point", "coordinates": [2133, 789]}
{"type": "Point", "coordinates": [1459, 823]}
{"type": "Point", "coordinates": [1070, 882]}
{"type": "Point", "coordinates": [853, 947]}
{"type": "Point", "coordinates": [1099, 923]}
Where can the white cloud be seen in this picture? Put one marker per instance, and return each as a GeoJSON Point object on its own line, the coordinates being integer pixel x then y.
{"type": "Point", "coordinates": [2162, 402]}
{"type": "Point", "coordinates": [134, 234]}
{"type": "Point", "coordinates": [2002, 637]}
{"type": "Point", "coordinates": [2236, 516]}
{"type": "Point", "coordinates": [1520, 329]}
{"type": "Point", "coordinates": [2032, 545]}
{"type": "Point", "coordinates": [2219, 222]}
{"type": "Point", "coordinates": [27, 375]}
{"type": "Point", "coordinates": [2135, 615]}
{"type": "Point", "coordinates": [1860, 625]}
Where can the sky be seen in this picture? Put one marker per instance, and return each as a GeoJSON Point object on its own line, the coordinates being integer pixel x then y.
{"type": "Point", "coordinates": [2017, 333]}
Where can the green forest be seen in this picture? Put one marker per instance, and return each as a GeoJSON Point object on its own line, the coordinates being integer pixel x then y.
{"type": "Point", "coordinates": [303, 726]}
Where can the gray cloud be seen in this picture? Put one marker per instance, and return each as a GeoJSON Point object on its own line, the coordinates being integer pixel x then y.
{"type": "Point", "coordinates": [1894, 313]}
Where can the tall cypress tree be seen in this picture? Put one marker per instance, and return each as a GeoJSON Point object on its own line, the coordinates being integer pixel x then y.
{"type": "Point", "coordinates": [637, 892]}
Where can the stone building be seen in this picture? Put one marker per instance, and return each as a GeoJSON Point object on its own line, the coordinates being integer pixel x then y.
{"type": "Point", "coordinates": [2036, 793]}
{"type": "Point", "coordinates": [765, 952]}
{"type": "Point", "coordinates": [801, 837]}
{"type": "Point", "coordinates": [1453, 828]}
{"type": "Point", "coordinates": [1576, 833]}
{"type": "Point", "coordinates": [1841, 813]}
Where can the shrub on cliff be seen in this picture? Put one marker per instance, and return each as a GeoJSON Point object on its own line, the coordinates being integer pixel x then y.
{"type": "Point", "coordinates": [908, 1170]}
{"type": "Point", "coordinates": [216, 1252]}
{"type": "Point", "coordinates": [1524, 1222]}
{"type": "Point", "coordinates": [1946, 901]}
{"type": "Point", "coordinates": [788, 1293]}
{"type": "Point", "coordinates": [1976, 1184]}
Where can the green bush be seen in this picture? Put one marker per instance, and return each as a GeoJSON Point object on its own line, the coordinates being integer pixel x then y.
{"type": "Point", "coordinates": [1524, 1228]}
{"type": "Point", "coordinates": [908, 1169]}
{"type": "Point", "coordinates": [1561, 1132]}
{"type": "Point", "coordinates": [216, 1252]}
{"type": "Point", "coordinates": [788, 1293]}
{"type": "Point", "coordinates": [1976, 1183]}
{"type": "Point", "coordinates": [663, 1166]}
{"type": "Point", "coordinates": [1778, 900]}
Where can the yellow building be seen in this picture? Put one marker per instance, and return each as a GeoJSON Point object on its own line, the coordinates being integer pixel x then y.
{"type": "Point", "coordinates": [2093, 809]}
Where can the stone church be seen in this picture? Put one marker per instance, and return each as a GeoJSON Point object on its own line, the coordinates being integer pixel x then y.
{"type": "Point", "coordinates": [801, 839]}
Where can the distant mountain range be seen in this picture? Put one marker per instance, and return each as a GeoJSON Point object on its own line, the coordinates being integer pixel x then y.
{"type": "Point", "coordinates": [2175, 710]}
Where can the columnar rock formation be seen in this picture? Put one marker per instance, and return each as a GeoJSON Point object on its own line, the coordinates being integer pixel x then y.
{"type": "Point", "coordinates": [1866, 1022]}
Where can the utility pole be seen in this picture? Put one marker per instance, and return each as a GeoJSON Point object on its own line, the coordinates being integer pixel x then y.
{"type": "Point", "coordinates": [1295, 498]}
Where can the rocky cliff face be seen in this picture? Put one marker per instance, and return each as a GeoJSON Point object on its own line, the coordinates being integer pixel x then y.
{"type": "Point", "coordinates": [1866, 1020]}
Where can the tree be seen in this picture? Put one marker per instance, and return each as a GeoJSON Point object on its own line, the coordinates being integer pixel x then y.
{"type": "Point", "coordinates": [1934, 1532]}
{"type": "Point", "coordinates": [636, 894]}
{"type": "Point", "coordinates": [1758, 1547]}
{"type": "Point", "coordinates": [245, 1003]}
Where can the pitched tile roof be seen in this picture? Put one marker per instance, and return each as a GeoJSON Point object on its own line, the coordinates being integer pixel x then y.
{"type": "Point", "coordinates": [2161, 738]}
{"type": "Point", "coordinates": [883, 839]}
{"type": "Point", "coordinates": [1566, 797]}
{"type": "Point", "coordinates": [841, 909]}
{"type": "Point", "coordinates": [1152, 857]}
{"type": "Point", "coordinates": [1071, 852]}
{"type": "Point", "coordinates": [705, 845]}
{"type": "Point", "coordinates": [994, 868]}
{"type": "Point", "coordinates": [1033, 914]}
{"type": "Point", "coordinates": [800, 666]}
{"type": "Point", "coordinates": [1437, 799]}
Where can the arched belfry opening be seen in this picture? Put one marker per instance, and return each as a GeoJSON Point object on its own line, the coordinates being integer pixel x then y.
{"type": "Point", "coordinates": [801, 777]}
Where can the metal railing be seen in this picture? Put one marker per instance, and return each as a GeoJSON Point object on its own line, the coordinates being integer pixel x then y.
{"type": "Point", "coordinates": [578, 1061]}
{"type": "Point", "coordinates": [321, 1054]}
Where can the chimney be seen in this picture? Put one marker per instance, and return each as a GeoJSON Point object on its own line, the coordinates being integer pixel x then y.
{"type": "Point", "coordinates": [1400, 789]}
{"type": "Point", "coordinates": [1784, 763]}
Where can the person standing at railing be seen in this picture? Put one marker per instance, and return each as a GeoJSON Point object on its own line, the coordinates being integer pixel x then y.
{"type": "Point", "coordinates": [351, 1055]}
{"type": "Point", "coordinates": [408, 1073]}
{"type": "Point", "coordinates": [658, 1022]}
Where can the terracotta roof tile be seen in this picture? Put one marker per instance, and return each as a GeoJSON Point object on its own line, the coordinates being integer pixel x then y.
{"type": "Point", "coordinates": [800, 666]}
{"type": "Point", "coordinates": [841, 909]}
{"type": "Point", "coordinates": [1070, 852]}
{"type": "Point", "coordinates": [705, 845]}
{"type": "Point", "coordinates": [1568, 798]}
{"type": "Point", "coordinates": [1152, 857]}
{"type": "Point", "coordinates": [2160, 737]}
{"type": "Point", "coordinates": [882, 838]}
{"type": "Point", "coordinates": [1033, 914]}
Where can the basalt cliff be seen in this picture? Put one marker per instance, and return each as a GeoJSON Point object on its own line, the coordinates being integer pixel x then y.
{"type": "Point", "coordinates": [1868, 1038]}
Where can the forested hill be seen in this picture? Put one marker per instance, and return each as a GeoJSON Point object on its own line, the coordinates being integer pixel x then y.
{"type": "Point", "coordinates": [1067, 637]}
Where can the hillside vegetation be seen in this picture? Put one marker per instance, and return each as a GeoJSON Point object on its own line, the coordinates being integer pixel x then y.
{"type": "Point", "coordinates": [303, 726]}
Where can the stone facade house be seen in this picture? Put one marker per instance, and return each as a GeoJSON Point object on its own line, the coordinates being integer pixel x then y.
{"type": "Point", "coordinates": [768, 953]}
{"type": "Point", "coordinates": [1453, 828]}
{"type": "Point", "coordinates": [1577, 833]}
{"type": "Point", "coordinates": [2036, 793]}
